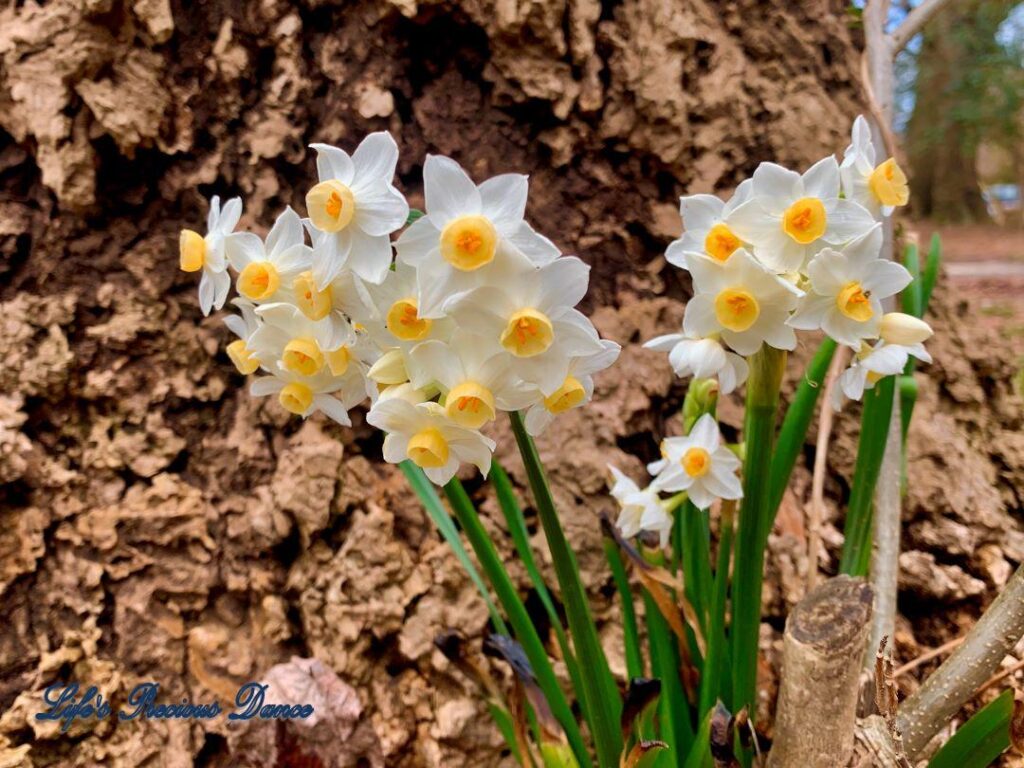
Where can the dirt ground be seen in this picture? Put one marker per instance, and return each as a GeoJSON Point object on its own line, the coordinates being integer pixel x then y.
{"type": "Point", "coordinates": [157, 523]}
{"type": "Point", "coordinates": [985, 263]}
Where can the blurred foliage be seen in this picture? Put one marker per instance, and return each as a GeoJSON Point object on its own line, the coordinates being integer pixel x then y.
{"type": "Point", "coordinates": [968, 92]}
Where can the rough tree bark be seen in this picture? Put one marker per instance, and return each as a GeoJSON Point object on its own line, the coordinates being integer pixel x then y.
{"type": "Point", "coordinates": [157, 523]}
{"type": "Point", "coordinates": [824, 639]}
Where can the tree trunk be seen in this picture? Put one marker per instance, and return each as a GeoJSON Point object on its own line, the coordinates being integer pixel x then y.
{"type": "Point", "coordinates": [951, 109]}
{"type": "Point", "coordinates": [824, 643]}
{"type": "Point", "coordinates": [158, 523]}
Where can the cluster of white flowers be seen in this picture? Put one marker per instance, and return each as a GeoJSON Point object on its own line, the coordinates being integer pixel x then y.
{"type": "Point", "coordinates": [475, 315]}
{"type": "Point", "coordinates": [788, 252]}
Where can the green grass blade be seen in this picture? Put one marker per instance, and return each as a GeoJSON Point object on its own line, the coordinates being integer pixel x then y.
{"type": "Point", "coordinates": [979, 741]}
{"type": "Point", "coordinates": [516, 524]}
{"type": "Point", "coordinates": [525, 632]}
{"type": "Point", "coordinates": [603, 702]}
{"type": "Point", "coordinates": [874, 430]}
{"type": "Point", "coordinates": [794, 426]}
{"type": "Point", "coordinates": [766, 369]}
{"type": "Point", "coordinates": [631, 635]}
{"type": "Point", "coordinates": [424, 489]}
{"type": "Point", "coordinates": [931, 272]}
{"type": "Point", "coordinates": [507, 728]}
{"type": "Point", "coordinates": [696, 562]}
{"type": "Point", "coordinates": [700, 752]}
{"type": "Point", "coordinates": [673, 709]}
{"type": "Point", "coordinates": [712, 683]}
{"type": "Point", "coordinates": [910, 297]}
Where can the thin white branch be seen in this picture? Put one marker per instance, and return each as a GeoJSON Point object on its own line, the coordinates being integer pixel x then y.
{"type": "Point", "coordinates": [885, 557]}
{"type": "Point", "coordinates": [915, 22]}
{"type": "Point", "coordinates": [924, 713]}
{"type": "Point", "coordinates": [817, 511]}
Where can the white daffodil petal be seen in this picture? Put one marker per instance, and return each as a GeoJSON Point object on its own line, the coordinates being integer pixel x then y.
{"type": "Point", "coordinates": [370, 256]}
{"type": "Point", "coordinates": [333, 163]}
{"type": "Point", "coordinates": [448, 190]}
{"type": "Point", "coordinates": [380, 209]}
{"type": "Point", "coordinates": [374, 159]}
{"type": "Point", "coordinates": [503, 201]}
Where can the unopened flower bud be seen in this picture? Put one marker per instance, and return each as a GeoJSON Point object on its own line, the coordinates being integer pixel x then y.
{"type": "Point", "coordinates": [903, 329]}
{"type": "Point", "coordinates": [701, 398]}
{"type": "Point", "coordinates": [557, 755]}
{"type": "Point", "coordinates": [389, 369]}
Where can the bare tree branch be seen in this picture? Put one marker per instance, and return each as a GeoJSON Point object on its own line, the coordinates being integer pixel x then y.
{"type": "Point", "coordinates": [820, 462]}
{"type": "Point", "coordinates": [926, 711]}
{"type": "Point", "coordinates": [915, 22]}
{"type": "Point", "coordinates": [885, 557]}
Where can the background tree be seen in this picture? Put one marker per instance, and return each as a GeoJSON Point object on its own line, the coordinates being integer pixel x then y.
{"type": "Point", "coordinates": [969, 91]}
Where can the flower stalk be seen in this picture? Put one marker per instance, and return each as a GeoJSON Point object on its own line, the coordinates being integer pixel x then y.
{"type": "Point", "coordinates": [767, 366]}
{"type": "Point", "coordinates": [599, 688]}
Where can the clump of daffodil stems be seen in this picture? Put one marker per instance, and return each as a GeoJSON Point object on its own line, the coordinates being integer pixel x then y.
{"type": "Point", "coordinates": [789, 252]}
{"type": "Point", "coordinates": [438, 321]}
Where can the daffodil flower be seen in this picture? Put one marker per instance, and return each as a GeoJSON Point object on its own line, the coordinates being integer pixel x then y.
{"type": "Point", "coordinates": [871, 364]}
{"type": "Point", "coordinates": [640, 510]}
{"type": "Point", "coordinates": [742, 300]}
{"type": "Point", "coordinates": [397, 320]}
{"type": "Point", "coordinates": [303, 395]}
{"type": "Point", "coordinates": [243, 325]}
{"type": "Point", "coordinates": [343, 301]}
{"type": "Point", "coordinates": [700, 465]}
{"type": "Point", "coordinates": [354, 209]}
{"type": "Point", "coordinates": [426, 436]}
{"type": "Point", "coordinates": [879, 188]}
{"type": "Point", "coordinates": [575, 392]}
{"type": "Point", "coordinates": [702, 358]}
{"type": "Point", "coordinates": [533, 321]}
{"type": "Point", "coordinates": [474, 375]}
{"type": "Point", "coordinates": [706, 226]}
{"type": "Point", "coordinates": [266, 270]}
{"type": "Point", "coordinates": [302, 347]}
{"type": "Point", "coordinates": [846, 289]}
{"type": "Point", "coordinates": [209, 253]}
{"type": "Point", "coordinates": [470, 236]}
{"type": "Point", "coordinates": [790, 217]}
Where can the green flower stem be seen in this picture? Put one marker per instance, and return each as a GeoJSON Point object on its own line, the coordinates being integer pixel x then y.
{"type": "Point", "coordinates": [518, 617]}
{"type": "Point", "coordinates": [874, 430]}
{"type": "Point", "coordinates": [673, 710]}
{"type": "Point", "coordinates": [711, 682]}
{"type": "Point", "coordinates": [631, 636]}
{"type": "Point", "coordinates": [424, 489]}
{"type": "Point", "coordinates": [696, 544]}
{"type": "Point", "coordinates": [794, 426]}
{"type": "Point", "coordinates": [600, 691]}
{"type": "Point", "coordinates": [516, 524]}
{"type": "Point", "coordinates": [766, 369]}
